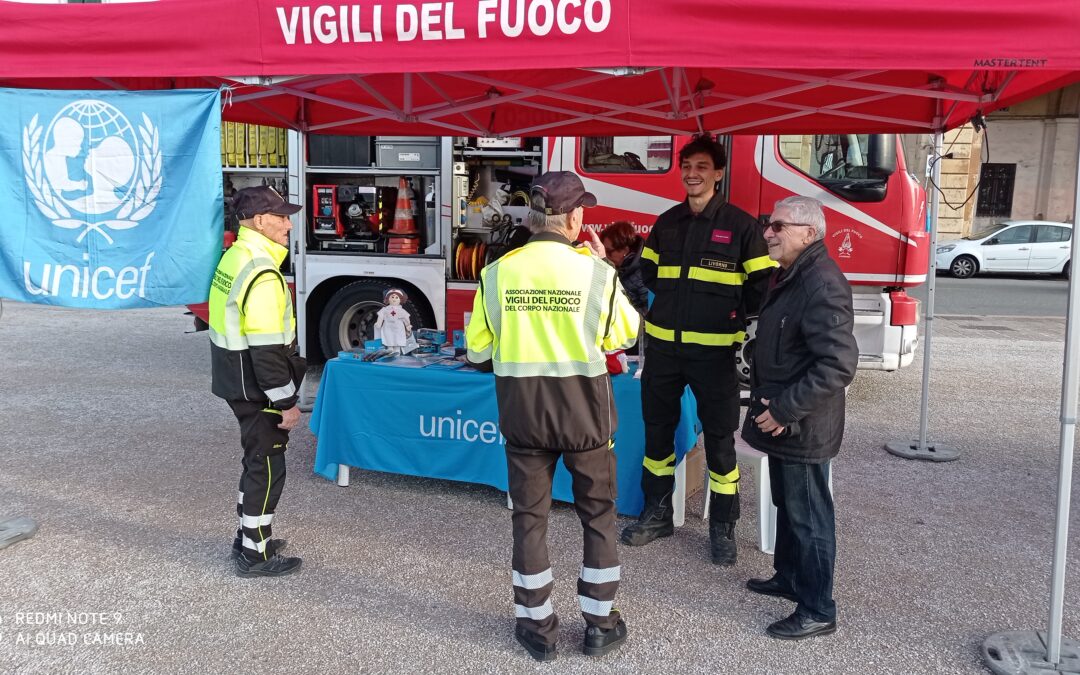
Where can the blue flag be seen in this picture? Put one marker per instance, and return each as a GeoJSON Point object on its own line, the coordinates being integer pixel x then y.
{"type": "Point", "coordinates": [109, 199]}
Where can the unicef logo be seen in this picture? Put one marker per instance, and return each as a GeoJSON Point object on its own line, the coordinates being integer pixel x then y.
{"type": "Point", "coordinates": [91, 164]}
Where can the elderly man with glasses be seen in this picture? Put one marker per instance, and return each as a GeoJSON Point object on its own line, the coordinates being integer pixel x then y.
{"type": "Point", "coordinates": [804, 359]}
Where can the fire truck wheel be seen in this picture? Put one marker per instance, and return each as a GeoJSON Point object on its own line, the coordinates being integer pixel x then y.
{"type": "Point", "coordinates": [349, 317]}
{"type": "Point", "coordinates": [744, 356]}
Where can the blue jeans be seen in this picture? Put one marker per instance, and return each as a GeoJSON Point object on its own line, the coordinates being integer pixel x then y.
{"type": "Point", "coordinates": [805, 535]}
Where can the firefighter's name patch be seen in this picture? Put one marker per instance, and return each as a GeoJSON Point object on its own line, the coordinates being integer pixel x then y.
{"type": "Point", "coordinates": [721, 236]}
{"type": "Point", "coordinates": [722, 265]}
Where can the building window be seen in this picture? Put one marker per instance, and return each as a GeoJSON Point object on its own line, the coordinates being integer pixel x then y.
{"type": "Point", "coordinates": [996, 190]}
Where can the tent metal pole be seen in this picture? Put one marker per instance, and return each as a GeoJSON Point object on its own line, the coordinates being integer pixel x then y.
{"type": "Point", "coordinates": [922, 448]}
{"type": "Point", "coordinates": [1070, 380]}
{"type": "Point", "coordinates": [931, 280]}
{"type": "Point", "coordinates": [1031, 652]}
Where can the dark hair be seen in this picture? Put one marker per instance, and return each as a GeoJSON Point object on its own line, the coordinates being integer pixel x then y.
{"type": "Point", "coordinates": [705, 143]}
{"type": "Point", "coordinates": [621, 234]}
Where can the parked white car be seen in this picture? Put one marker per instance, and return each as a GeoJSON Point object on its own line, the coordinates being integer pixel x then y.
{"type": "Point", "coordinates": [1014, 246]}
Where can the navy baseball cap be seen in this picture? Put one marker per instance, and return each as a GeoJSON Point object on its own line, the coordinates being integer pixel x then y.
{"type": "Point", "coordinates": [250, 202]}
{"type": "Point", "coordinates": [558, 192]}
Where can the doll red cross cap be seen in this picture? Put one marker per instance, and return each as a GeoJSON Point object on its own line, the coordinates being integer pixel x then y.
{"type": "Point", "coordinates": [400, 293]}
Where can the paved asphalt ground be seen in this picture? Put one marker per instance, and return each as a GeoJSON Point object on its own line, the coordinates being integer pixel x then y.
{"type": "Point", "coordinates": [114, 444]}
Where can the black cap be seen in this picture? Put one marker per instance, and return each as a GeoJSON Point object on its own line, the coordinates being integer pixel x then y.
{"type": "Point", "coordinates": [558, 192]}
{"type": "Point", "coordinates": [250, 202]}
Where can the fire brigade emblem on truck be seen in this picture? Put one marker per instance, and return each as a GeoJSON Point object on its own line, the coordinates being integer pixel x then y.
{"type": "Point", "coordinates": [90, 169]}
{"type": "Point", "coordinates": [847, 246]}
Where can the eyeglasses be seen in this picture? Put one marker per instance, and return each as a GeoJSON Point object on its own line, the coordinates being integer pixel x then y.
{"type": "Point", "coordinates": [778, 225]}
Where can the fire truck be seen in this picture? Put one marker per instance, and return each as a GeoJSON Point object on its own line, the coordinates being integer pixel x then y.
{"type": "Point", "coordinates": [426, 214]}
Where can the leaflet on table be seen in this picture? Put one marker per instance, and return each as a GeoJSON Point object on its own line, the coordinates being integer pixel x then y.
{"type": "Point", "coordinates": [396, 360]}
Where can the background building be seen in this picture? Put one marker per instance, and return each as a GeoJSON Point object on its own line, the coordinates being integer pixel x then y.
{"type": "Point", "coordinates": [1022, 167]}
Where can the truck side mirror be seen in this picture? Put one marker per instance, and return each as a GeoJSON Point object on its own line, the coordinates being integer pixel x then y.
{"type": "Point", "coordinates": [881, 155]}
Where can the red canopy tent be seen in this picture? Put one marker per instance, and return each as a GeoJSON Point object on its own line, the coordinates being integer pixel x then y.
{"type": "Point", "coordinates": [517, 67]}
{"type": "Point", "coordinates": [584, 67]}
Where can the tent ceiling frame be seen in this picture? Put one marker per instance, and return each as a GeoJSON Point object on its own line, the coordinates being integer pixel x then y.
{"type": "Point", "coordinates": [738, 101]}
{"type": "Point", "coordinates": [550, 92]}
{"type": "Point", "coordinates": [583, 117]}
{"type": "Point", "coordinates": [682, 100]}
{"type": "Point", "coordinates": [434, 86]}
{"type": "Point", "coordinates": [834, 109]}
{"type": "Point", "coordinates": [839, 81]}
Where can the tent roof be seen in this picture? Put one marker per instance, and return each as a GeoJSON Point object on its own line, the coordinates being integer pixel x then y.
{"type": "Point", "coordinates": [602, 67]}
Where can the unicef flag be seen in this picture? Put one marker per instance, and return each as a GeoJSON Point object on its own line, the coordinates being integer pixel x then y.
{"type": "Point", "coordinates": [109, 199]}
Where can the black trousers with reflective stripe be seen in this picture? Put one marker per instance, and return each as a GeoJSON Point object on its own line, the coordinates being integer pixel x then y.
{"type": "Point", "coordinates": [715, 386]}
{"type": "Point", "coordinates": [263, 476]}
{"type": "Point", "coordinates": [595, 490]}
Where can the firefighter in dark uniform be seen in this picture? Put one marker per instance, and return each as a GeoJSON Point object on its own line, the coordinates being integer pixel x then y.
{"type": "Point", "coordinates": [256, 369]}
{"type": "Point", "coordinates": [543, 317]}
{"type": "Point", "coordinates": [707, 264]}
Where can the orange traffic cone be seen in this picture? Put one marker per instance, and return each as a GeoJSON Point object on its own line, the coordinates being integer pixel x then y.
{"type": "Point", "coordinates": [404, 223]}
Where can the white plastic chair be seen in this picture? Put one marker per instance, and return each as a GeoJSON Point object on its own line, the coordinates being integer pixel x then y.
{"type": "Point", "coordinates": [766, 511]}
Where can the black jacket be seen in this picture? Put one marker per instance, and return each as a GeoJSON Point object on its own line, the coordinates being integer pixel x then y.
{"type": "Point", "coordinates": [679, 262]}
{"type": "Point", "coordinates": [804, 356]}
{"type": "Point", "coordinates": [633, 284]}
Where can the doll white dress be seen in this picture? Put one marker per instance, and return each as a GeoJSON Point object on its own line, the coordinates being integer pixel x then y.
{"type": "Point", "coordinates": [393, 322]}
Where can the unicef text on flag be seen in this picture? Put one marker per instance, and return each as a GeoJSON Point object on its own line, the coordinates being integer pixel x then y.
{"type": "Point", "coordinates": [121, 205]}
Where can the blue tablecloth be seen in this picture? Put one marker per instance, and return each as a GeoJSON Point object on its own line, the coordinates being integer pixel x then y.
{"type": "Point", "coordinates": [444, 424]}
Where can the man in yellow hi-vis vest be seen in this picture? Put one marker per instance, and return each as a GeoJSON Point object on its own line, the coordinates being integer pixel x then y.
{"type": "Point", "coordinates": [542, 318]}
{"type": "Point", "coordinates": [256, 369]}
{"type": "Point", "coordinates": [707, 264]}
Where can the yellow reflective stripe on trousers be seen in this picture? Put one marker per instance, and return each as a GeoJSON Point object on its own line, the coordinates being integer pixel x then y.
{"type": "Point", "coordinates": [660, 467]}
{"type": "Point", "coordinates": [725, 484]}
{"type": "Point", "coordinates": [650, 255]}
{"type": "Point", "coordinates": [263, 540]}
{"type": "Point", "coordinates": [717, 277]}
{"type": "Point", "coordinates": [759, 263]}
{"type": "Point", "coordinates": [659, 333]}
{"type": "Point", "coordinates": [713, 339]}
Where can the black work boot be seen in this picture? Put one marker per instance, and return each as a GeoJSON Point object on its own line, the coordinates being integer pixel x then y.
{"type": "Point", "coordinates": [722, 542]}
{"type": "Point", "coordinates": [275, 566]}
{"type": "Point", "coordinates": [654, 522]}
{"type": "Point", "coordinates": [599, 641]}
{"type": "Point", "coordinates": [273, 546]}
{"type": "Point", "coordinates": [532, 644]}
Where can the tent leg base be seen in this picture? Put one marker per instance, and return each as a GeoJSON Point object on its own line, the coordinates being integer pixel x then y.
{"type": "Point", "coordinates": [1024, 652]}
{"type": "Point", "coordinates": [933, 452]}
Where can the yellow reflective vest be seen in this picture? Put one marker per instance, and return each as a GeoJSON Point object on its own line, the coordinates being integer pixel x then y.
{"type": "Point", "coordinates": [543, 317]}
{"type": "Point", "coordinates": [252, 326]}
